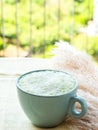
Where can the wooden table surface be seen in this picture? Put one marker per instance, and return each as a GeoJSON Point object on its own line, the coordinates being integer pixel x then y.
{"type": "Point", "coordinates": [12, 116]}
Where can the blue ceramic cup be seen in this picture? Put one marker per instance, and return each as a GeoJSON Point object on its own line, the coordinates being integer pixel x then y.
{"type": "Point", "coordinates": [50, 111]}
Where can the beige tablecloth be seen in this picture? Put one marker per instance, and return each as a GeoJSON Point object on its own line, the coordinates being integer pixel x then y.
{"type": "Point", "coordinates": [12, 116]}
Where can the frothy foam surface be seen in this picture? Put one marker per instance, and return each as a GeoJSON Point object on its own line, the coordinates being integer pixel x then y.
{"type": "Point", "coordinates": [47, 83]}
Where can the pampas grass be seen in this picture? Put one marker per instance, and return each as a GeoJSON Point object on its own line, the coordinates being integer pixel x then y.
{"type": "Point", "coordinates": [81, 65]}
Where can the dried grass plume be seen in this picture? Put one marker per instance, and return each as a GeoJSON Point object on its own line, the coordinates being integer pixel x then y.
{"type": "Point", "coordinates": [81, 65]}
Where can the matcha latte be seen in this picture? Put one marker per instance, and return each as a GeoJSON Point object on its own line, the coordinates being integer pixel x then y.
{"type": "Point", "coordinates": [47, 83]}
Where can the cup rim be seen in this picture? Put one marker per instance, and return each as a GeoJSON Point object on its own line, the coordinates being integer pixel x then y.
{"type": "Point", "coordinates": [46, 96]}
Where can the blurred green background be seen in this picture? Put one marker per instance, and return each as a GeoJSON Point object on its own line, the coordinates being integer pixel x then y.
{"type": "Point", "coordinates": [51, 21]}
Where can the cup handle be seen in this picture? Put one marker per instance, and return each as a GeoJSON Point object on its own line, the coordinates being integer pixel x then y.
{"type": "Point", "coordinates": [73, 111]}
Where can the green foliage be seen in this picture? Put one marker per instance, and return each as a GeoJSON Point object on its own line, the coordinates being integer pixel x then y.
{"type": "Point", "coordinates": [40, 2]}
{"type": "Point", "coordinates": [10, 1]}
{"type": "Point", "coordinates": [1, 45]}
{"type": "Point", "coordinates": [83, 11]}
{"type": "Point", "coordinates": [64, 26]}
{"type": "Point", "coordinates": [93, 46]}
{"type": "Point", "coordinates": [87, 43]}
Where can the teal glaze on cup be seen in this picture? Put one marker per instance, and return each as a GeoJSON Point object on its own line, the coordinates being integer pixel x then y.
{"type": "Point", "coordinates": [50, 111]}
